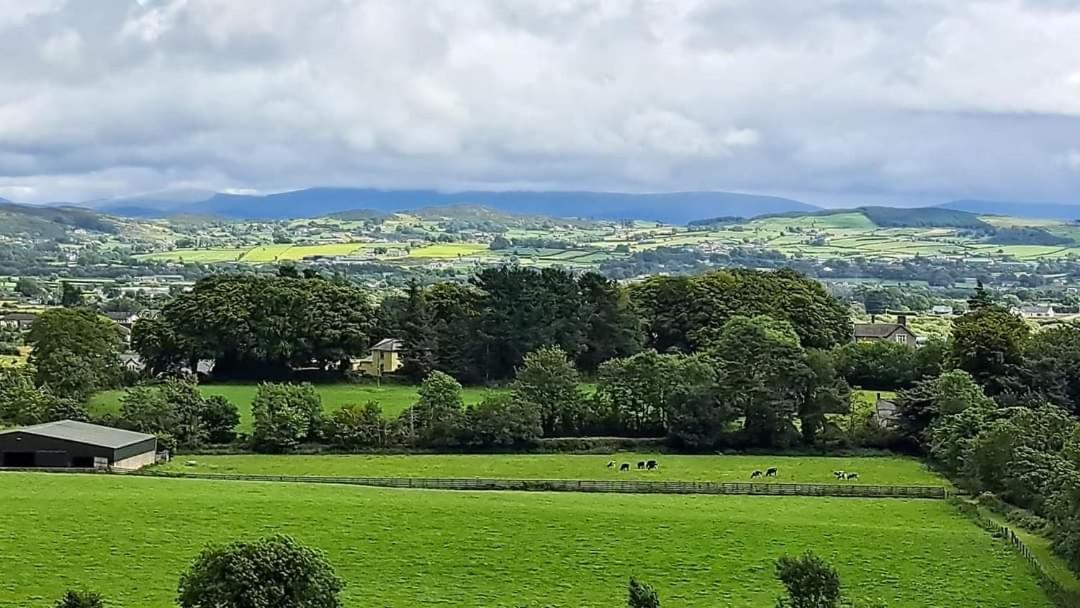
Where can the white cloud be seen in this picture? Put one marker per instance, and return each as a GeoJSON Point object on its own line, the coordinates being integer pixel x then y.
{"type": "Point", "coordinates": [903, 99]}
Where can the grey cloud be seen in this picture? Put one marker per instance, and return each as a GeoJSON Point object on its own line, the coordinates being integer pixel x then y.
{"type": "Point", "coordinates": [906, 100]}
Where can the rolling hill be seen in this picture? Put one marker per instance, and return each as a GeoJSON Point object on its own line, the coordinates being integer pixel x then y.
{"type": "Point", "coordinates": [1030, 210]}
{"type": "Point", "coordinates": [50, 222]}
{"type": "Point", "coordinates": [676, 207]}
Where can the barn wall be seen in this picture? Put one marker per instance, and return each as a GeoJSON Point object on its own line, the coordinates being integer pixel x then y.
{"type": "Point", "coordinates": [25, 442]}
{"type": "Point", "coordinates": [137, 461]}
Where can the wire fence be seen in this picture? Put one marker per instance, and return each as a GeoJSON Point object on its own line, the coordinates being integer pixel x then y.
{"type": "Point", "coordinates": [1062, 597]}
{"type": "Point", "coordinates": [597, 486]}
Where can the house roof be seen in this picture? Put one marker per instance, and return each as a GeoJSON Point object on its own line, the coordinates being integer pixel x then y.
{"type": "Point", "coordinates": [878, 330]}
{"type": "Point", "coordinates": [1036, 308]}
{"type": "Point", "coordinates": [82, 432]}
{"type": "Point", "coordinates": [389, 344]}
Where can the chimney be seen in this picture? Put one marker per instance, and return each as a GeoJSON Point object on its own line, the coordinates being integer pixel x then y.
{"type": "Point", "coordinates": [901, 320]}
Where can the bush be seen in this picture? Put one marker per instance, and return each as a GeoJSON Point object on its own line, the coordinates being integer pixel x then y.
{"type": "Point", "coordinates": [275, 572]}
{"type": "Point", "coordinates": [353, 427]}
{"type": "Point", "coordinates": [641, 596]}
{"type": "Point", "coordinates": [810, 582]}
{"type": "Point", "coordinates": [81, 599]}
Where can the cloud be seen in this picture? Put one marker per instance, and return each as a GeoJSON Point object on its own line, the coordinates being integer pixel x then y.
{"type": "Point", "coordinates": [903, 100]}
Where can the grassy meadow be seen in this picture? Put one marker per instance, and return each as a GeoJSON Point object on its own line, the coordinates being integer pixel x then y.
{"type": "Point", "coordinates": [130, 538]}
{"type": "Point", "coordinates": [792, 469]}
{"type": "Point", "coordinates": [394, 398]}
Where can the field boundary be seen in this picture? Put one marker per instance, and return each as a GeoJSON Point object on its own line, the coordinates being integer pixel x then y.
{"type": "Point", "coordinates": [1061, 597]}
{"type": "Point", "coordinates": [583, 485]}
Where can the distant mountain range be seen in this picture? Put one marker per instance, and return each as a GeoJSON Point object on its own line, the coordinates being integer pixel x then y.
{"type": "Point", "coordinates": [673, 208]}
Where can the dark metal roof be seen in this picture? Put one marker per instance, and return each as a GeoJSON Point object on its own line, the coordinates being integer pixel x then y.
{"type": "Point", "coordinates": [82, 432]}
{"type": "Point", "coordinates": [877, 330]}
{"type": "Point", "coordinates": [389, 344]}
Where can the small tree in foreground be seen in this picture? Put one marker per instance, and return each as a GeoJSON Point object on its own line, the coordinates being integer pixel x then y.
{"type": "Point", "coordinates": [642, 596]}
{"type": "Point", "coordinates": [275, 572]}
{"type": "Point", "coordinates": [810, 582]}
{"type": "Point", "coordinates": [81, 599]}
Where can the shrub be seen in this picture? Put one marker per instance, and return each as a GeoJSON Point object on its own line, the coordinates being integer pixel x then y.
{"type": "Point", "coordinates": [275, 572]}
{"type": "Point", "coordinates": [81, 599]}
{"type": "Point", "coordinates": [810, 582]}
{"type": "Point", "coordinates": [641, 596]}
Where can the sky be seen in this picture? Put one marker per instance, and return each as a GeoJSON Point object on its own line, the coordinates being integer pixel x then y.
{"type": "Point", "coordinates": [835, 102]}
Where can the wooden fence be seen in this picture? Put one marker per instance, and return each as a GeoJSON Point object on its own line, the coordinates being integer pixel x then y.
{"type": "Point", "coordinates": [570, 485]}
{"type": "Point", "coordinates": [1061, 596]}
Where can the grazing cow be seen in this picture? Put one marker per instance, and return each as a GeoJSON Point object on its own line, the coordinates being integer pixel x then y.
{"type": "Point", "coordinates": [641, 465]}
{"type": "Point", "coordinates": [838, 474]}
{"type": "Point", "coordinates": [624, 466]}
{"type": "Point", "coordinates": [850, 476]}
{"type": "Point", "coordinates": [771, 472]}
{"type": "Point", "coordinates": [611, 464]}
{"type": "Point", "coordinates": [756, 474]}
{"type": "Point", "coordinates": [651, 465]}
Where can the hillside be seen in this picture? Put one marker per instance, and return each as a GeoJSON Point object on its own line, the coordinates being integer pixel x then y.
{"type": "Point", "coordinates": [1031, 210]}
{"type": "Point", "coordinates": [896, 217]}
{"type": "Point", "coordinates": [675, 208]}
{"type": "Point", "coordinates": [49, 222]}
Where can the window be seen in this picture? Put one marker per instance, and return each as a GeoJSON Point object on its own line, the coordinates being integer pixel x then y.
{"type": "Point", "coordinates": [901, 338]}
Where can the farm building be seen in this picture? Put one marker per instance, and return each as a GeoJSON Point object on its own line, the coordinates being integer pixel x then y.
{"type": "Point", "coordinates": [71, 444]}
{"type": "Point", "coordinates": [895, 332]}
{"type": "Point", "coordinates": [385, 358]}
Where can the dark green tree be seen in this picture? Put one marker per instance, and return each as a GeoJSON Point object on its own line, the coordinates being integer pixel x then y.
{"type": "Point", "coordinates": [548, 383]}
{"type": "Point", "coordinates": [641, 595]}
{"type": "Point", "coordinates": [980, 299]}
{"type": "Point", "coordinates": [988, 343]}
{"type": "Point", "coordinates": [825, 392]}
{"type": "Point", "coordinates": [70, 295]}
{"type": "Point", "coordinates": [762, 374]}
{"type": "Point", "coordinates": [357, 426]}
{"type": "Point", "coordinates": [285, 415]}
{"type": "Point", "coordinates": [501, 421]}
{"type": "Point", "coordinates": [418, 334]}
{"type": "Point", "coordinates": [75, 351]}
{"type": "Point", "coordinates": [613, 328]}
{"type": "Point", "coordinates": [275, 572]}
{"type": "Point", "coordinates": [436, 418]}
{"type": "Point", "coordinates": [878, 365]}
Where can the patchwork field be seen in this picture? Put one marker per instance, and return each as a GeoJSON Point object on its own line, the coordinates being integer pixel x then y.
{"type": "Point", "coordinates": [447, 250]}
{"type": "Point", "coordinates": [872, 470]}
{"type": "Point", "coordinates": [130, 538]}
{"type": "Point", "coordinates": [394, 398]}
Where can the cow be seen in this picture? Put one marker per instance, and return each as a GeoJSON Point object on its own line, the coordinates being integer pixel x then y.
{"type": "Point", "coordinates": [756, 474]}
{"type": "Point", "coordinates": [838, 474]}
{"type": "Point", "coordinates": [624, 466]}
{"type": "Point", "coordinates": [611, 464]}
{"type": "Point", "coordinates": [771, 472]}
{"type": "Point", "coordinates": [641, 465]}
{"type": "Point", "coordinates": [652, 465]}
{"type": "Point", "coordinates": [850, 476]}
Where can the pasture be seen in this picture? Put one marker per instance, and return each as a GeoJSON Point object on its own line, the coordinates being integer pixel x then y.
{"type": "Point", "coordinates": [792, 469]}
{"type": "Point", "coordinates": [394, 398]}
{"type": "Point", "coordinates": [130, 538]}
{"type": "Point", "coordinates": [447, 250]}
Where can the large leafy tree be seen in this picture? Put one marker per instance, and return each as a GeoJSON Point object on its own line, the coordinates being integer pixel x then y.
{"type": "Point", "coordinates": [613, 327]}
{"type": "Point", "coordinates": [825, 392]}
{"type": "Point", "coordinates": [762, 375]}
{"type": "Point", "coordinates": [1052, 358]}
{"type": "Point", "coordinates": [275, 572]}
{"type": "Point", "coordinates": [688, 313]}
{"type": "Point", "coordinates": [878, 365]}
{"type": "Point", "coordinates": [988, 343]}
{"type": "Point", "coordinates": [75, 351]}
{"type": "Point", "coordinates": [641, 388]}
{"type": "Point", "coordinates": [436, 418]}
{"type": "Point", "coordinates": [418, 335]}
{"type": "Point", "coordinates": [285, 415]}
{"type": "Point", "coordinates": [261, 326]}
{"type": "Point", "coordinates": [548, 383]}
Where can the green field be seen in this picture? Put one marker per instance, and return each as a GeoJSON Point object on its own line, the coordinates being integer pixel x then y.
{"type": "Point", "coordinates": [202, 256]}
{"type": "Point", "coordinates": [447, 250]}
{"type": "Point", "coordinates": [130, 538]}
{"type": "Point", "coordinates": [872, 470]}
{"type": "Point", "coordinates": [266, 253]}
{"type": "Point", "coordinates": [394, 398]}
